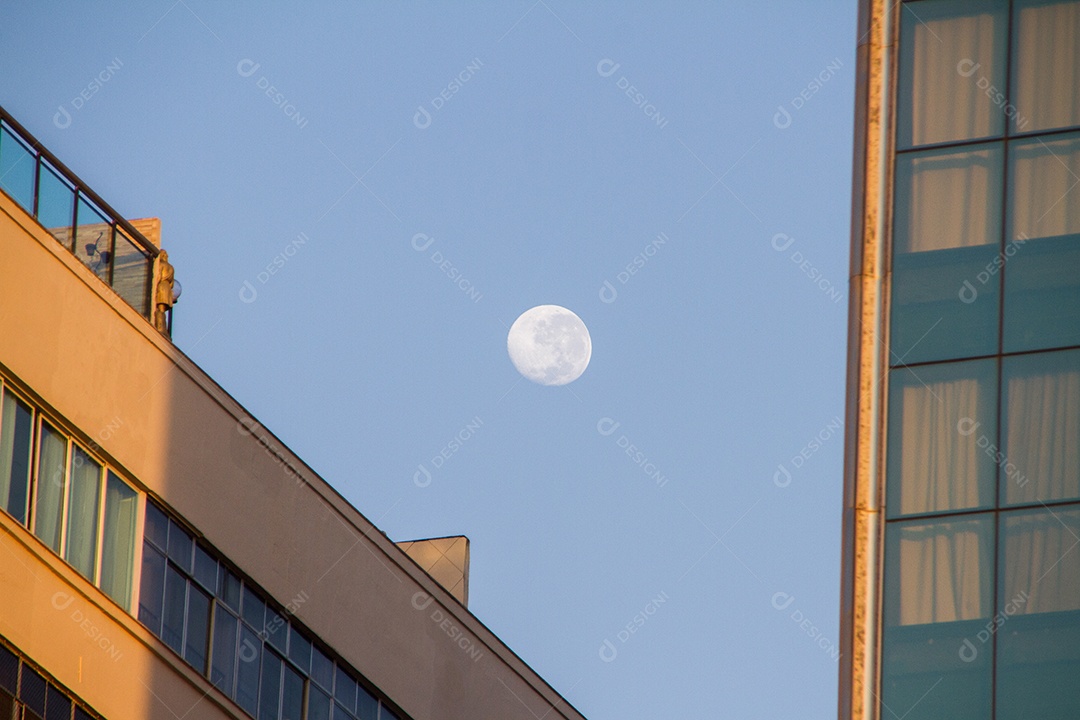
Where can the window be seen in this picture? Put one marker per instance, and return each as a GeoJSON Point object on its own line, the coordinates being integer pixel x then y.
{"type": "Point", "coordinates": [85, 494]}
{"type": "Point", "coordinates": [51, 479]}
{"type": "Point", "coordinates": [1046, 65]}
{"type": "Point", "coordinates": [118, 540]}
{"type": "Point", "coordinates": [28, 694]}
{"type": "Point", "coordinates": [16, 420]}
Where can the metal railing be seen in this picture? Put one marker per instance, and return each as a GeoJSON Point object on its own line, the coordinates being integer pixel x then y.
{"type": "Point", "coordinates": [76, 216]}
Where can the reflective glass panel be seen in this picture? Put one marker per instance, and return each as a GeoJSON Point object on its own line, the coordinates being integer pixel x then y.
{"type": "Point", "coordinates": [131, 273]}
{"type": "Point", "coordinates": [85, 487]}
{"type": "Point", "coordinates": [1046, 65]}
{"type": "Point", "coordinates": [16, 423]}
{"type": "Point", "coordinates": [93, 238]}
{"type": "Point", "coordinates": [947, 226]}
{"type": "Point", "coordinates": [1038, 620]}
{"type": "Point", "coordinates": [156, 528]}
{"type": "Point", "coordinates": [152, 589]}
{"type": "Point", "coordinates": [49, 493]}
{"type": "Point", "coordinates": [318, 704]}
{"type": "Point", "coordinates": [938, 593]}
{"type": "Point", "coordinates": [16, 170]}
{"type": "Point", "coordinates": [181, 546]}
{"type": "Point", "coordinates": [1040, 427]}
{"type": "Point", "coordinates": [172, 625]}
{"type": "Point", "coordinates": [118, 539]}
{"type": "Point", "coordinates": [941, 418]}
{"type": "Point", "coordinates": [247, 674]}
{"type": "Point", "coordinates": [56, 204]}
{"type": "Point", "coordinates": [951, 53]}
{"type": "Point", "coordinates": [322, 669]}
{"type": "Point", "coordinates": [1042, 278]}
{"type": "Point", "coordinates": [223, 663]}
{"type": "Point", "coordinates": [198, 629]}
{"type": "Point", "coordinates": [292, 695]}
{"type": "Point", "coordinates": [270, 690]}
{"type": "Point", "coordinates": [206, 568]}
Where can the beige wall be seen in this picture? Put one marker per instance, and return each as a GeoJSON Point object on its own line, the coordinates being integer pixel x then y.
{"type": "Point", "coordinates": [101, 366]}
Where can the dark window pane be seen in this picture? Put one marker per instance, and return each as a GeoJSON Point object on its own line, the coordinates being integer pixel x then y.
{"type": "Point", "coordinates": [386, 714]}
{"type": "Point", "coordinates": [322, 669]}
{"type": "Point", "coordinates": [15, 431]}
{"type": "Point", "coordinates": [299, 649]}
{"type": "Point", "coordinates": [345, 689]}
{"type": "Point", "coordinates": [157, 526]}
{"type": "Point", "coordinates": [16, 170]}
{"type": "Point", "coordinates": [292, 696]}
{"type": "Point", "coordinates": [247, 675]}
{"type": "Point", "coordinates": [340, 713]}
{"type": "Point", "coordinates": [7, 705]}
{"type": "Point", "coordinates": [181, 545]}
{"type": "Point", "coordinates": [254, 610]}
{"type": "Point", "coordinates": [9, 670]}
{"type": "Point", "coordinates": [58, 706]}
{"type": "Point", "coordinates": [277, 629]}
{"type": "Point", "coordinates": [198, 628]}
{"type": "Point", "coordinates": [223, 664]}
{"type": "Point", "coordinates": [131, 273]}
{"type": "Point", "coordinates": [270, 691]}
{"type": "Point", "coordinates": [32, 691]}
{"type": "Point", "coordinates": [82, 714]}
{"type": "Point", "coordinates": [84, 488]}
{"type": "Point", "coordinates": [206, 568]}
{"type": "Point", "coordinates": [56, 204]}
{"type": "Point", "coordinates": [229, 588]}
{"type": "Point", "coordinates": [367, 706]}
{"type": "Point", "coordinates": [172, 626]}
{"type": "Point", "coordinates": [93, 237]}
{"type": "Point", "coordinates": [318, 706]}
{"type": "Point", "coordinates": [152, 590]}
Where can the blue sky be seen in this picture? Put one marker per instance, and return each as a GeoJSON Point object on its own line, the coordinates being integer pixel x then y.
{"type": "Point", "coordinates": [706, 146]}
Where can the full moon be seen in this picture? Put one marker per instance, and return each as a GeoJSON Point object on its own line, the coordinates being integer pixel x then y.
{"type": "Point", "coordinates": [549, 345]}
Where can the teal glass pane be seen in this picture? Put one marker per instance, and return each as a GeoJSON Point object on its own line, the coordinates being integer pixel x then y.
{"type": "Point", "coordinates": [15, 437]}
{"type": "Point", "coordinates": [49, 488]}
{"type": "Point", "coordinates": [132, 269]}
{"type": "Point", "coordinates": [80, 547]}
{"type": "Point", "coordinates": [941, 420]}
{"type": "Point", "coordinates": [938, 580]}
{"type": "Point", "coordinates": [1046, 65]}
{"type": "Point", "coordinates": [951, 53]}
{"type": "Point", "coordinates": [118, 540]}
{"type": "Point", "coordinates": [56, 205]}
{"type": "Point", "coordinates": [1038, 620]}
{"type": "Point", "coordinates": [93, 238]}
{"type": "Point", "coordinates": [946, 236]}
{"type": "Point", "coordinates": [1040, 428]}
{"type": "Point", "coordinates": [17, 170]}
{"type": "Point", "coordinates": [1042, 278]}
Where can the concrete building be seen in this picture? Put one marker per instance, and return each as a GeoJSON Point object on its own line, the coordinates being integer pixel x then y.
{"type": "Point", "coordinates": [961, 566]}
{"type": "Point", "coordinates": [164, 555]}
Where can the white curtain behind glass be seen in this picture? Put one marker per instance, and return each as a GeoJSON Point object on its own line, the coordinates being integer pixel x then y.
{"type": "Point", "coordinates": [1046, 187]}
{"type": "Point", "coordinates": [1042, 561]}
{"type": "Point", "coordinates": [49, 495]}
{"type": "Point", "coordinates": [944, 571]}
{"type": "Point", "coordinates": [118, 543]}
{"type": "Point", "coordinates": [85, 489]}
{"type": "Point", "coordinates": [1047, 66]}
{"type": "Point", "coordinates": [938, 466]}
{"type": "Point", "coordinates": [950, 200]}
{"type": "Point", "coordinates": [1042, 427]}
{"type": "Point", "coordinates": [945, 104]}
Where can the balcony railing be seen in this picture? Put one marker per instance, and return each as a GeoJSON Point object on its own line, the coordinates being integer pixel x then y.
{"type": "Point", "coordinates": [76, 216]}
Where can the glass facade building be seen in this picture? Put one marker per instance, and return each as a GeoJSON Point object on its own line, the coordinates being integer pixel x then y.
{"type": "Point", "coordinates": [962, 550]}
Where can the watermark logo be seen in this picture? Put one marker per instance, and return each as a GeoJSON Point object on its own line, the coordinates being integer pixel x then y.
{"type": "Point", "coordinates": [783, 118]}
{"type": "Point", "coordinates": [782, 477]}
{"type": "Point", "coordinates": [421, 242]}
{"type": "Point", "coordinates": [248, 67]}
{"type": "Point", "coordinates": [968, 68]}
{"type": "Point", "coordinates": [422, 476]}
{"type": "Point", "coordinates": [968, 650]}
{"type": "Point", "coordinates": [248, 292]}
{"type": "Point", "coordinates": [608, 293]}
{"type": "Point", "coordinates": [969, 426]}
{"type": "Point", "coordinates": [607, 67]}
{"type": "Point", "coordinates": [422, 119]}
{"type": "Point", "coordinates": [781, 242]}
{"type": "Point", "coordinates": [248, 426]}
{"type": "Point", "coordinates": [62, 602]}
{"type": "Point", "coordinates": [607, 427]}
{"type": "Point", "coordinates": [781, 601]}
{"type": "Point", "coordinates": [608, 650]}
{"type": "Point", "coordinates": [63, 119]}
{"type": "Point", "coordinates": [968, 293]}
{"type": "Point", "coordinates": [422, 601]}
